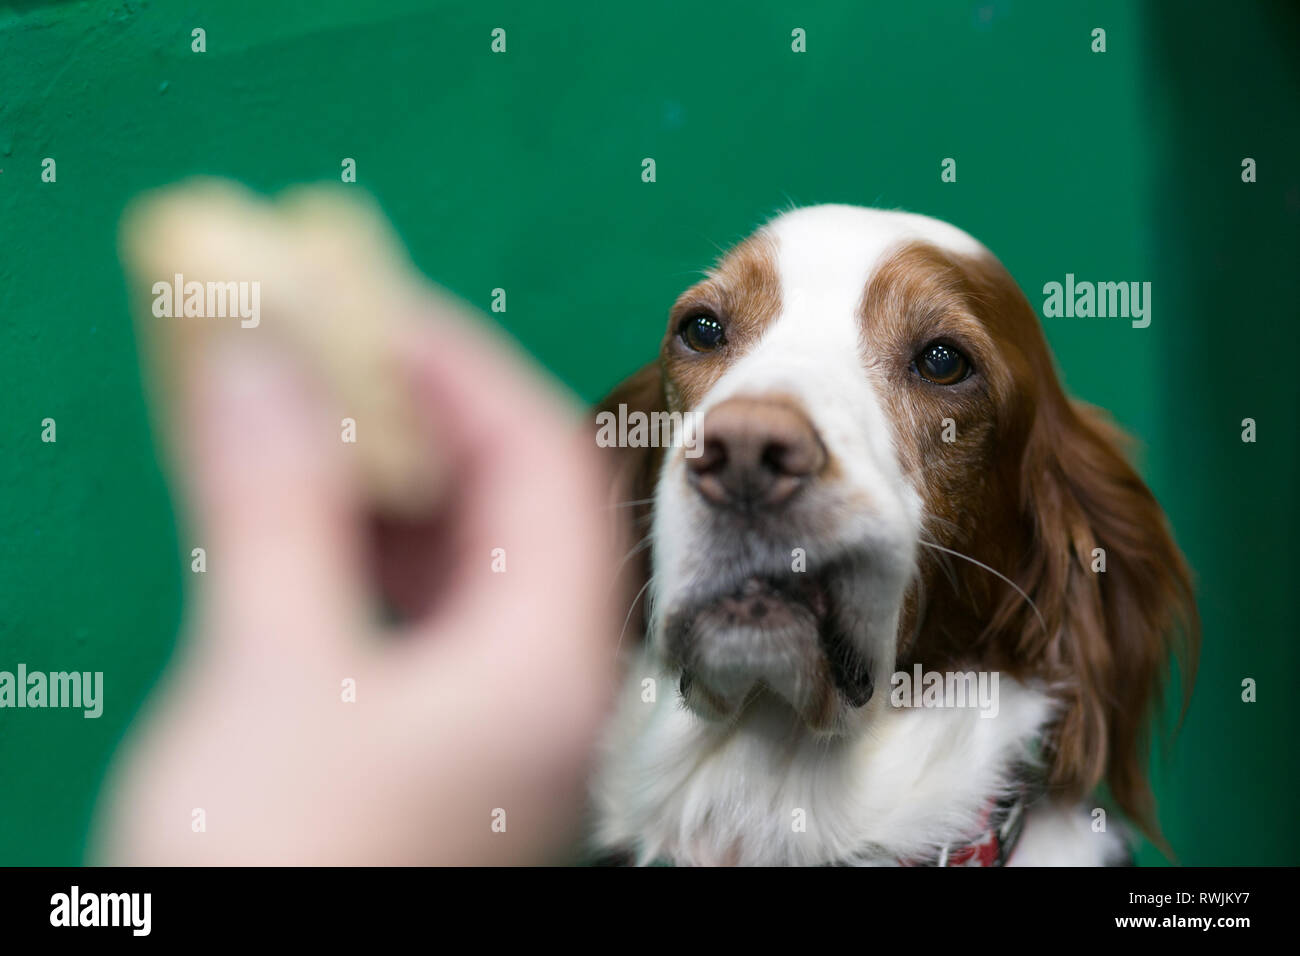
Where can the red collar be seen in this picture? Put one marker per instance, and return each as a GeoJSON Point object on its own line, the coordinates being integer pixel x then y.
{"type": "Point", "coordinates": [1001, 824]}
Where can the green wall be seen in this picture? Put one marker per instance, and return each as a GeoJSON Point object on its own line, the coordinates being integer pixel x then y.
{"type": "Point", "coordinates": [522, 171]}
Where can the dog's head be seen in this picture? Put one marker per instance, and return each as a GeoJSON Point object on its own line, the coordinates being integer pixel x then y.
{"type": "Point", "coordinates": [887, 471]}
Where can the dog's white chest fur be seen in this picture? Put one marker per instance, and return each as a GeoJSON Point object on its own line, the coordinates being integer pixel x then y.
{"type": "Point", "coordinates": [764, 791]}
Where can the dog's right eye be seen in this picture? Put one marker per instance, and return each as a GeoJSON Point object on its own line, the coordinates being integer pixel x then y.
{"type": "Point", "coordinates": [701, 332]}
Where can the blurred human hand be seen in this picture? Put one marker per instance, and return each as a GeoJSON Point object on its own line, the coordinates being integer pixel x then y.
{"type": "Point", "coordinates": [480, 707]}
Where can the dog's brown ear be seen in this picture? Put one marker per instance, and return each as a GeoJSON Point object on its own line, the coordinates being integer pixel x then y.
{"type": "Point", "coordinates": [1116, 597]}
{"type": "Point", "coordinates": [632, 470]}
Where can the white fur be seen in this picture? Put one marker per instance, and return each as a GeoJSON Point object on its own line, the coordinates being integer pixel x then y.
{"type": "Point", "coordinates": [678, 787]}
{"type": "Point", "coordinates": [902, 782]}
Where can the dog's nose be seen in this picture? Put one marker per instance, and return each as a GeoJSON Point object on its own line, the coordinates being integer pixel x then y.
{"type": "Point", "coordinates": [756, 453]}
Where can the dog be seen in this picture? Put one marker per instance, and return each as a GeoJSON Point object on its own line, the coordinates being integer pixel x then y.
{"type": "Point", "coordinates": [889, 483]}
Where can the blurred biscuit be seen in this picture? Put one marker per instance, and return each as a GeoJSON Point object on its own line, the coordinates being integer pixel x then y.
{"type": "Point", "coordinates": [333, 287]}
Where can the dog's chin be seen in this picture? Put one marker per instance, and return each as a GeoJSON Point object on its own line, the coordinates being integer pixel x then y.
{"type": "Point", "coordinates": [772, 641]}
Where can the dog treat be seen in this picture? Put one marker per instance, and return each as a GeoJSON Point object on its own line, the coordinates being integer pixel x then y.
{"type": "Point", "coordinates": [316, 273]}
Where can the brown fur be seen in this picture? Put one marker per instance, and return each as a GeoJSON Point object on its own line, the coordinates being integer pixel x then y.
{"type": "Point", "coordinates": [744, 291]}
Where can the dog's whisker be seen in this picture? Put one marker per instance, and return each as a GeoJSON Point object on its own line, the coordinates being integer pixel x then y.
{"type": "Point", "coordinates": [630, 504]}
{"type": "Point", "coordinates": [1019, 590]}
{"type": "Point", "coordinates": [636, 549]}
{"type": "Point", "coordinates": [627, 619]}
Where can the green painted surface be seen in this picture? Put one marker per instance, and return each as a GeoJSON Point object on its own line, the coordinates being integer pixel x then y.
{"type": "Point", "coordinates": [523, 171]}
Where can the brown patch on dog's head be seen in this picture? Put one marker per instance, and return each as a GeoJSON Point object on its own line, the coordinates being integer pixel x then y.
{"type": "Point", "coordinates": [743, 293]}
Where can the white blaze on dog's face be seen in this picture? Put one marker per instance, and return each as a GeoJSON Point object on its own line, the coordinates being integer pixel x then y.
{"type": "Point", "coordinates": [782, 555]}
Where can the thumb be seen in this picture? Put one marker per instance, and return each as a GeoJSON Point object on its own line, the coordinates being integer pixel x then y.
{"type": "Point", "coordinates": [272, 502]}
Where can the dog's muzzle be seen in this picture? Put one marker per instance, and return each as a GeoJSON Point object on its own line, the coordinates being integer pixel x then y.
{"type": "Point", "coordinates": [765, 624]}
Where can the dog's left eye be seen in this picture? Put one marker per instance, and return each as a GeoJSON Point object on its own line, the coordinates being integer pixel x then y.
{"type": "Point", "coordinates": [941, 364]}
